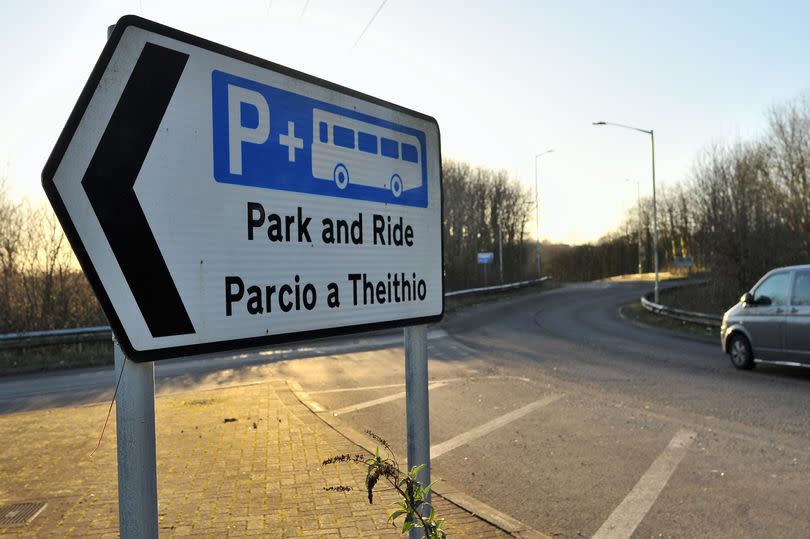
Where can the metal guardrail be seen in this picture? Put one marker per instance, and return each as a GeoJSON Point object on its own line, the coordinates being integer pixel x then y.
{"type": "Point", "coordinates": [679, 314]}
{"type": "Point", "coordinates": [496, 288]}
{"type": "Point", "coordinates": [78, 336]}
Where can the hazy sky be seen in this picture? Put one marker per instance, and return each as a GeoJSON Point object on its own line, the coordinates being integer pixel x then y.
{"type": "Point", "coordinates": [505, 80]}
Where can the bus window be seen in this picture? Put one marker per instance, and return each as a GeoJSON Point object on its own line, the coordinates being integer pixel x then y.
{"type": "Point", "coordinates": [366, 142]}
{"type": "Point", "coordinates": [409, 153]}
{"type": "Point", "coordinates": [343, 137]}
{"type": "Point", "coordinates": [324, 129]}
{"type": "Point", "coordinates": [389, 148]}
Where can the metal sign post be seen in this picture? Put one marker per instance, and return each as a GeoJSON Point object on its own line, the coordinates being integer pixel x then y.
{"type": "Point", "coordinates": [486, 259]}
{"type": "Point", "coordinates": [137, 461]}
{"type": "Point", "coordinates": [500, 251]}
{"type": "Point", "coordinates": [417, 405]}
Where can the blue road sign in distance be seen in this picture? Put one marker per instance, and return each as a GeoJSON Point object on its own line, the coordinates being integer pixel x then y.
{"type": "Point", "coordinates": [486, 258]}
{"type": "Point", "coordinates": [277, 139]}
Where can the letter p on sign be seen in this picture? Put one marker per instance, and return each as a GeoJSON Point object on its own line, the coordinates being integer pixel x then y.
{"type": "Point", "coordinates": [239, 133]}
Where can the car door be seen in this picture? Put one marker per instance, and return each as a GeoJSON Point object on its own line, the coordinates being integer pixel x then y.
{"type": "Point", "coordinates": [797, 321]}
{"type": "Point", "coordinates": [764, 318]}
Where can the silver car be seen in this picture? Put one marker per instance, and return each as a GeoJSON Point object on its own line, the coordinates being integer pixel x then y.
{"type": "Point", "coordinates": [771, 323]}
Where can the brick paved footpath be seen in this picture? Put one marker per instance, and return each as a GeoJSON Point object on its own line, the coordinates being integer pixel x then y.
{"type": "Point", "coordinates": [258, 476]}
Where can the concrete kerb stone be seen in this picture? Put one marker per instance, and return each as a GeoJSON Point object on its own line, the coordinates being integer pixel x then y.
{"type": "Point", "coordinates": [443, 489]}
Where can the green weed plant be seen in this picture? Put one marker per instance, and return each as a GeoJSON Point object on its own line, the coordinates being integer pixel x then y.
{"type": "Point", "coordinates": [413, 505]}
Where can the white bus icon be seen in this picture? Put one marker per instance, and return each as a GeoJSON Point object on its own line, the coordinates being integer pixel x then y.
{"type": "Point", "coordinates": [345, 150]}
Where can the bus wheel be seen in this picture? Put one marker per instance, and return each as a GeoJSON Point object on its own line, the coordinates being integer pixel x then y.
{"type": "Point", "coordinates": [396, 185]}
{"type": "Point", "coordinates": [341, 176]}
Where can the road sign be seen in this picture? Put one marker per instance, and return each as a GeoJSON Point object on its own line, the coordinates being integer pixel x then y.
{"type": "Point", "coordinates": [219, 201]}
{"type": "Point", "coordinates": [486, 258]}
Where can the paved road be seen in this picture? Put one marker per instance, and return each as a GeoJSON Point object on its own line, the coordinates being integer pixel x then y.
{"type": "Point", "coordinates": [553, 409]}
{"type": "Point", "coordinates": [85, 386]}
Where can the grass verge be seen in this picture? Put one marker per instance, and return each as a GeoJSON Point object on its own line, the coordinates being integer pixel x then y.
{"type": "Point", "coordinates": [662, 276]}
{"type": "Point", "coordinates": [634, 311]}
{"type": "Point", "coordinates": [55, 357]}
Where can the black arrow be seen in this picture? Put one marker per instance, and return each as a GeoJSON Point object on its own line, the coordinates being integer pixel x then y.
{"type": "Point", "coordinates": [109, 183]}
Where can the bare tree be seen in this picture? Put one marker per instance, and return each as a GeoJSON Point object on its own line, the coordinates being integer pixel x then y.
{"type": "Point", "coordinates": [11, 219]}
{"type": "Point", "coordinates": [788, 148]}
{"type": "Point", "coordinates": [480, 204]}
{"type": "Point", "coordinates": [41, 284]}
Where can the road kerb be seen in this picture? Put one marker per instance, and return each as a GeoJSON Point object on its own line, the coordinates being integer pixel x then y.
{"type": "Point", "coordinates": [443, 489]}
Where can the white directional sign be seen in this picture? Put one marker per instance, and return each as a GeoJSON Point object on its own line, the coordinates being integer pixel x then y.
{"type": "Point", "coordinates": [218, 201]}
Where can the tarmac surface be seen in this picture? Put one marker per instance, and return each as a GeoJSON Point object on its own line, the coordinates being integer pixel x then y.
{"type": "Point", "coordinates": [260, 475]}
{"type": "Point", "coordinates": [550, 407]}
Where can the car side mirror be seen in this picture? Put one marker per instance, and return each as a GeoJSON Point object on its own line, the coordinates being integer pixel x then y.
{"type": "Point", "coordinates": [747, 299]}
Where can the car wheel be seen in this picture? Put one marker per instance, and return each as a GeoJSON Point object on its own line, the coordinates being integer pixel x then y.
{"type": "Point", "coordinates": [739, 350]}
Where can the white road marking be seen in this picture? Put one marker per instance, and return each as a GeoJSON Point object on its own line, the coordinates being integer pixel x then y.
{"type": "Point", "coordinates": [304, 397]}
{"type": "Point", "coordinates": [383, 400]}
{"type": "Point", "coordinates": [465, 438]}
{"type": "Point", "coordinates": [623, 521]}
{"type": "Point", "coordinates": [343, 347]}
{"type": "Point", "coordinates": [345, 389]}
{"type": "Point", "coordinates": [472, 377]}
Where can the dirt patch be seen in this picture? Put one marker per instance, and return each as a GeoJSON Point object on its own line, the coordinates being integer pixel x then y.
{"type": "Point", "coordinates": [198, 402]}
{"type": "Point", "coordinates": [662, 276]}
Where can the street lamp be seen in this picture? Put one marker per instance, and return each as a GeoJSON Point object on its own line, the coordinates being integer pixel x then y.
{"type": "Point", "coordinates": [537, 208]}
{"type": "Point", "coordinates": [638, 199]}
{"type": "Point", "coordinates": [655, 209]}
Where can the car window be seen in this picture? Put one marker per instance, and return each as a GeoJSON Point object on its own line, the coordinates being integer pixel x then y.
{"type": "Point", "coordinates": [801, 288]}
{"type": "Point", "coordinates": [773, 290]}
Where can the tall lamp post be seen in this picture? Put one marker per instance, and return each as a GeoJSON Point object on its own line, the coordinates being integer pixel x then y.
{"type": "Point", "coordinates": [655, 209]}
{"type": "Point", "coordinates": [537, 209]}
{"type": "Point", "coordinates": [638, 200]}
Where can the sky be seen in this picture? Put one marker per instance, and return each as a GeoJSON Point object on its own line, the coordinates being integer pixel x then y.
{"type": "Point", "coordinates": [505, 80]}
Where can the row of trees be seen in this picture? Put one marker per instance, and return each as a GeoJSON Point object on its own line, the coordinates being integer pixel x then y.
{"type": "Point", "coordinates": [485, 211]}
{"type": "Point", "coordinates": [744, 209]}
{"type": "Point", "coordinates": [42, 287]}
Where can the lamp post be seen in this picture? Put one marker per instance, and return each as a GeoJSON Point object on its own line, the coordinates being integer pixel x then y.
{"type": "Point", "coordinates": [500, 250]}
{"type": "Point", "coordinates": [537, 209]}
{"type": "Point", "coordinates": [638, 207]}
{"type": "Point", "coordinates": [655, 209]}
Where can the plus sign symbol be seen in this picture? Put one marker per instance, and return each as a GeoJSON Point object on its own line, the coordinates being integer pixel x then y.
{"type": "Point", "coordinates": [291, 141]}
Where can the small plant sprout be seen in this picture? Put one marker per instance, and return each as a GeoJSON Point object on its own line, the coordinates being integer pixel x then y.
{"type": "Point", "coordinates": [412, 504]}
